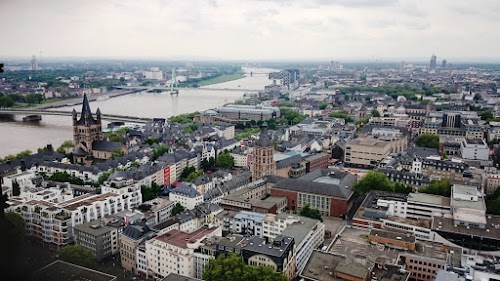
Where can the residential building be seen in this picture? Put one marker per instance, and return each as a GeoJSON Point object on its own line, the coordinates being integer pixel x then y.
{"type": "Point", "coordinates": [129, 240]}
{"type": "Point", "coordinates": [248, 223]}
{"type": "Point", "coordinates": [156, 210]}
{"type": "Point", "coordinates": [307, 233]}
{"type": "Point", "coordinates": [277, 254]}
{"type": "Point", "coordinates": [99, 236]}
{"type": "Point", "coordinates": [186, 195]}
{"type": "Point", "coordinates": [173, 252]}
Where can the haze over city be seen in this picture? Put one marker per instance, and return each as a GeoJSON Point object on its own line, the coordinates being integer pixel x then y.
{"type": "Point", "coordinates": [252, 30]}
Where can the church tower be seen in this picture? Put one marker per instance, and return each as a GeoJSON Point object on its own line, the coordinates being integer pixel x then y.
{"type": "Point", "coordinates": [86, 129]}
{"type": "Point", "coordinates": [263, 162]}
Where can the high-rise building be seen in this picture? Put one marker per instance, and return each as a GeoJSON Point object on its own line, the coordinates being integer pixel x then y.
{"type": "Point", "coordinates": [433, 62]}
{"type": "Point", "coordinates": [34, 63]}
{"type": "Point", "coordinates": [443, 64]}
{"type": "Point", "coordinates": [263, 163]}
{"type": "Point", "coordinates": [402, 66]}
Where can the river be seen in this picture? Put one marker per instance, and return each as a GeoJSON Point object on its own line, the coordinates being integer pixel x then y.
{"type": "Point", "coordinates": [16, 135]}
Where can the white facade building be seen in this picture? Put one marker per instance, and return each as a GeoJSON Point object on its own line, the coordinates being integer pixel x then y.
{"type": "Point", "coordinates": [173, 252]}
{"type": "Point", "coordinates": [153, 74]}
{"type": "Point", "coordinates": [474, 149]}
{"type": "Point", "coordinates": [186, 195]}
{"type": "Point", "coordinates": [246, 222]}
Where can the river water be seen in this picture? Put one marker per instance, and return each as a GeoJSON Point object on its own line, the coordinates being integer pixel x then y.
{"type": "Point", "coordinates": [16, 135]}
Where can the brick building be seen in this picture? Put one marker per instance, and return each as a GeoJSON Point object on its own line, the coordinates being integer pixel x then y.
{"type": "Point", "coordinates": [328, 191]}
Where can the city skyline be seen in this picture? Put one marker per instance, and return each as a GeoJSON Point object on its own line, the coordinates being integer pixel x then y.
{"type": "Point", "coordinates": [252, 30]}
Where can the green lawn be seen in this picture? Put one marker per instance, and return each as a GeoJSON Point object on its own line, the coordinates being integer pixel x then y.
{"type": "Point", "coordinates": [216, 80]}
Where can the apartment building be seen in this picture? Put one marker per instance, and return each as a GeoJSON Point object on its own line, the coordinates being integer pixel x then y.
{"type": "Point", "coordinates": [186, 195]}
{"type": "Point", "coordinates": [249, 223]}
{"type": "Point", "coordinates": [99, 236]}
{"type": "Point", "coordinates": [156, 211]}
{"type": "Point", "coordinates": [307, 233]}
{"type": "Point", "coordinates": [277, 254]}
{"type": "Point", "coordinates": [53, 223]}
{"type": "Point", "coordinates": [173, 252]}
{"type": "Point", "coordinates": [129, 241]}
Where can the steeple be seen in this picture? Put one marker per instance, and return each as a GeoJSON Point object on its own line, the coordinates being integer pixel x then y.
{"type": "Point", "coordinates": [86, 116]}
{"type": "Point", "coordinates": [264, 138]}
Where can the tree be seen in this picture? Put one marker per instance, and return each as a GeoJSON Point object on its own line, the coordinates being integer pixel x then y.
{"type": "Point", "coordinates": [77, 255]}
{"type": "Point", "coordinates": [103, 177]}
{"type": "Point", "coordinates": [373, 181]}
{"type": "Point", "coordinates": [428, 140]}
{"type": "Point", "coordinates": [402, 188]}
{"type": "Point", "coordinates": [375, 113]}
{"type": "Point", "coordinates": [150, 192]}
{"type": "Point", "coordinates": [225, 160]}
{"type": "Point", "coordinates": [117, 153]}
{"type": "Point", "coordinates": [438, 187]}
{"type": "Point", "coordinates": [342, 114]}
{"type": "Point", "coordinates": [159, 151]}
{"type": "Point", "coordinates": [307, 211]}
{"type": "Point", "coordinates": [6, 101]}
{"type": "Point", "coordinates": [152, 140]}
{"type": "Point", "coordinates": [323, 105]}
{"type": "Point", "coordinates": [232, 267]}
{"type": "Point", "coordinates": [66, 144]}
{"type": "Point", "coordinates": [194, 175]}
{"type": "Point", "coordinates": [19, 226]}
{"type": "Point", "coordinates": [178, 208]}
{"type": "Point", "coordinates": [487, 116]}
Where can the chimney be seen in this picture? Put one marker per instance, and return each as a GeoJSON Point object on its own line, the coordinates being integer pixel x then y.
{"type": "Point", "coordinates": [23, 165]}
{"type": "Point", "coordinates": [50, 148]}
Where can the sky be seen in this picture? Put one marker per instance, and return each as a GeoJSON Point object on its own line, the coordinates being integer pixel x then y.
{"type": "Point", "coordinates": [252, 29]}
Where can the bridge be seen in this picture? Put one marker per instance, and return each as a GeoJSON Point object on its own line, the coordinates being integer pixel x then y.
{"type": "Point", "coordinates": [109, 117]}
{"type": "Point", "coordinates": [151, 88]}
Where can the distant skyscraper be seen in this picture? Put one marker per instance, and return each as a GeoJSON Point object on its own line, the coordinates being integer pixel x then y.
{"type": "Point", "coordinates": [433, 62]}
{"type": "Point", "coordinates": [443, 64]}
{"type": "Point", "coordinates": [402, 66]}
{"type": "Point", "coordinates": [34, 63]}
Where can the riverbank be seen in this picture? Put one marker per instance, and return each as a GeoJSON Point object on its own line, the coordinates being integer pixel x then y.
{"type": "Point", "coordinates": [78, 100]}
{"type": "Point", "coordinates": [216, 80]}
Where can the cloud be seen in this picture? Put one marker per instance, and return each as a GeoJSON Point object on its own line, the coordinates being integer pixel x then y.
{"type": "Point", "coordinates": [232, 29]}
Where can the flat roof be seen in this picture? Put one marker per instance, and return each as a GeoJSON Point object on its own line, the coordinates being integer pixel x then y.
{"type": "Point", "coordinates": [259, 245]}
{"type": "Point", "coordinates": [492, 229]}
{"type": "Point", "coordinates": [180, 238]}
{"type": "Point", "coordinates": [429, 199]}
{"type": "Point", "coordinates": [64, 271]}
{"type": "Point", "coordinates": [95, 227]}
{"type": "Point", "coordinates": [320, 265]}
{"type": "Point", "coordinates": [406, 237]}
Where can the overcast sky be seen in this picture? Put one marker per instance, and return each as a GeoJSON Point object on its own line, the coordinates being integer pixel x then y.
{"type": "Point", "coordinates": [252, 29]}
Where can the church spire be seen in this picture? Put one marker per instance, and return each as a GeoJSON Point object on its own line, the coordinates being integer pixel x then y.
{"type": "Point", "coordinates": [86, 116]}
